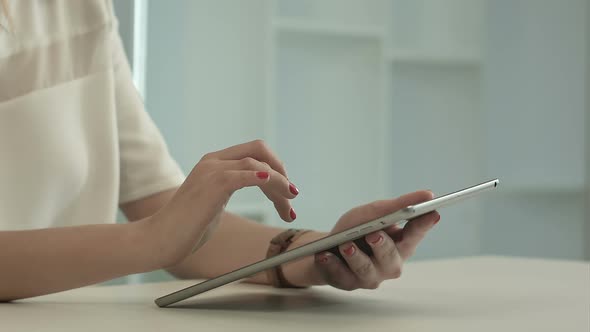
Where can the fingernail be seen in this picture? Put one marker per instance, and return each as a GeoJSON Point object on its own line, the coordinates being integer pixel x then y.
{"type": "Point", "coordinates": [437, 219]}
{"type": "Point", "coordinates": [262, 175]}
{"type": "Point", "coordinates": [292, 214]}
{"type": "Point", "coordinates": [374, 238]}
{"type": "Point", "coordinates": [350, 250]}
{"type": "Point", "coordinates": [324, 258]}
{"type": "Point", "coordinates": [293, 189]}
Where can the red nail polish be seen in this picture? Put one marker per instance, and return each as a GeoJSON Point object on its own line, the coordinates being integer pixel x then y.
{"type": "Point", "coordinates": [292, 214]}
{"type": "Point", "coordinates": [323, 259]}
{"type": "Point", "coordinates": [293, 189]}
{"type": "Point", "coordinates": [437, 219]}
{"type": "Point", "coordinates": [262, 175]}
{"type": "Point", "coordinates": [375, 238]}
{"type": "Point", "coordinates": [349, 251]}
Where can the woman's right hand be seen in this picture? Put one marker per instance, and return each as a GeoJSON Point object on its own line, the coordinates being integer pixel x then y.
{"type": "Point", "coordinates": [185, 222]}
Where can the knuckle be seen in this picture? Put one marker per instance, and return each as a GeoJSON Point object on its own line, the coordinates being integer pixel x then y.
{"type": "Point", "coordinates": [207, 164]}
{"type": "Point", "coordinates": [396, 272]}
{"type": "Point", "coordinates": [207, 156]}
{"type": "Point", "coordinates": [249, 162]}
{"type": "Point", "coordinates": [363, 269]}
{"type": "Point", "coordinates": [389, 255]}
{"type": "Point", "coordinates": [198, 167]}
{"type": "Point", "coordinates": [201, 167]}
{"type": "Point", "coordinates": [260, 144]}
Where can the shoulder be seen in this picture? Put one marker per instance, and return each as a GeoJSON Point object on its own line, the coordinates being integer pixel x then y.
{"type": "Point", "coordinates": [36, 23]}
{"type": "Point", "coordinates": [53, 42]}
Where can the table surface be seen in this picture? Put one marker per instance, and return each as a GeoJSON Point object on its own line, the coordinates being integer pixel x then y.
{"type": "Point", "coordinates": [465, 294]}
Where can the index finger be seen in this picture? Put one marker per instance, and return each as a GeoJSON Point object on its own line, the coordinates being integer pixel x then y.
{"type": "Point", "coordinates": [256, 149]}
{"type": "Point", "coordinates": [380, 208]}
{"type": "Point", "coordinates": [414, 232]}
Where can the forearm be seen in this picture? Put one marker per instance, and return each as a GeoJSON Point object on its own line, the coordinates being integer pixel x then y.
{"type": "Point", "coordinates": [238, 242]}
{"type": "Point", "coordinates": [235, 243]}
{"type": "Point", "coordinates": [38, 262]}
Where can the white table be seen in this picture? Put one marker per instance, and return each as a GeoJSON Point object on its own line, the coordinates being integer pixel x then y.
{"type": "Point", "coordinates": [467, 294]}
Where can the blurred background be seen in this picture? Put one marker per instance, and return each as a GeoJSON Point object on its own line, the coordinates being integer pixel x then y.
{"type": "Point", "coordinates": [369, 99]}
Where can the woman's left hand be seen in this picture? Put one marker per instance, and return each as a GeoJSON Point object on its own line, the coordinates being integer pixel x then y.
{"type": "Point", "coordinates": [391, 246]}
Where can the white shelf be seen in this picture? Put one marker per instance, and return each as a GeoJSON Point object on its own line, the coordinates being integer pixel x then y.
{"type": "Point", "coordinates": [303, 26]}
{"type": "Point", "coordinates": [427, 57]}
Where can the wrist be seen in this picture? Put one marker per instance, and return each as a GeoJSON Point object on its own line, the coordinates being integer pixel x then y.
{"type": "Point", "coordinates": [149, 235]}
{"type": "Point", "coordinates": [303, 272]}
{"type": "Point", "coordinates": [139, 245]}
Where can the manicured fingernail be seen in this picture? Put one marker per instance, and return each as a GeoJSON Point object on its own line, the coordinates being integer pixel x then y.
{"type": "Point", "coordinates": [293, 189]}
{"type": "Point", "coordinates": [437, 219]}
{"type": "Point", "coordinates": [262, 175]}
{"type": "Point", "coordinates": [324, 258]}
{"type": "Point", "coordinates": [292, 214]}
{"type": "Point", "coordinates": [375, 239]}
{"type": "Point", "coordinates": [350, 250]}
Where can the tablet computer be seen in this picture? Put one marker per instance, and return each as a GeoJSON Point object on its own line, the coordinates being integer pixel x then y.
{"type": "Point", "coordinates": [328, 243]}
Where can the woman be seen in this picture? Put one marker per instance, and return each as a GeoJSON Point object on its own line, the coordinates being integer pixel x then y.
{"type": "Point", "coordinates": [76, 144]}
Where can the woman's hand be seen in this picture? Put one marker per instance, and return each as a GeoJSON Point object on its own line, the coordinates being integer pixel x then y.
{"type": "Point", "coordinates": [391, 246]}
{"type": "Point", "coordinates": [185, 222]}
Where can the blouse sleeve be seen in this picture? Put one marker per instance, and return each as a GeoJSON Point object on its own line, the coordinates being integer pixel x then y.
{"type": "Point", "coordinates": [146, 166]}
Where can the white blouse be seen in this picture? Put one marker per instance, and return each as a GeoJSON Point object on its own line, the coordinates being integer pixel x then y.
{"type": "Point", "coordinates": [75, 140]}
